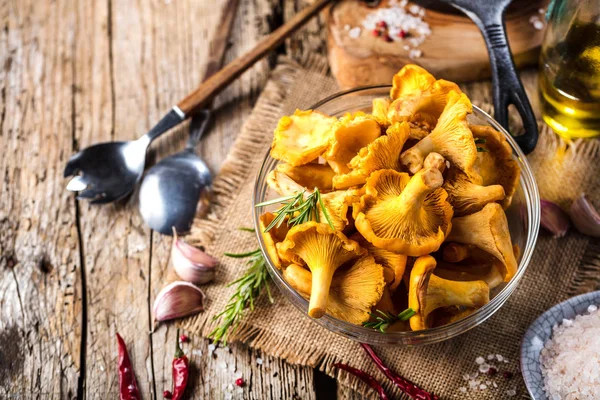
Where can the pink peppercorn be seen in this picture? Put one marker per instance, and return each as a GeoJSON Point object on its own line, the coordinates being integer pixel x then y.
{"type": "Point", "coordinates": [239, 382]}
{"type": "Point", "coordinates": [381, 24]}
{"type": "Point", "coordinates": [507, 374]}
{"type": "Point", "coordinates": [184, 338]}
{"type": "Point", "coordinates": [376, 32]}
{"type": "Point", "coordinates": [167, 394]}
{"type": "Point", "coordinates": [402, 34]}
{"type": "Point", "coordinates": [388, 38]}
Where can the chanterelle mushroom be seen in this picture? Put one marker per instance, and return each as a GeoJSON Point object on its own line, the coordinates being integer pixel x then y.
{"type": "Point", "coordinates": [380, 110]}
{"type": "Point", "coordinates": [394, 264]}
{"type": "Point", "coordinates": [323, 250]}
{"type": "Point", "coordinates": [353, 291]}
{"type": "Point", "coordinates": [310, 175]}
{"type": "Point", "coordinates": [451, 138]}
{"type": "Point", "coordinates": [350, 134]}
{"type": "Point", "coordinates": [495, 165]}
{"type": "Point", "coordinates": [466, 196]}
{"type": "Point", "coordinates": [272, 237]}
{"type": "Point", "coordinates": [428, 292]}
{"type": "Point", "coordinates": [403, 214]}
{"type": "Point", "coordinates": [383, 153]}
{"type": "Point", "coordinates": [337, 204]}
{"type": "Point", "coordinates": [302, 137]}
{"type": "Point", "coordinates": [487, 230]}
{"type": "Point", "coordinates": [283, 184]}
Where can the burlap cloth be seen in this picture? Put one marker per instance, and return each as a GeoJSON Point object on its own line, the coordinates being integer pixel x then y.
{"type": "Point", "coordinates": [559, 269]}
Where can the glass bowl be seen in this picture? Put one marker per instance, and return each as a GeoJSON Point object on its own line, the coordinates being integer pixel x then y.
{"type": "Point", "coordinates": [523, 218]}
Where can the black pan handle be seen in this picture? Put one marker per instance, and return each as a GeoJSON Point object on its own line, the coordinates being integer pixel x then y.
{"type": "Point", "coordinates": [508, 88]}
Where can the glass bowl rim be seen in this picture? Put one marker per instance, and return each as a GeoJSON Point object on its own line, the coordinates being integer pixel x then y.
{"type": "Point", "coordinates": [527, 180]}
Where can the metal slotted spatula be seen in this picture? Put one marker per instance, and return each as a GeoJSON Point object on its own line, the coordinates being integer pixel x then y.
{"type": "Point", "coordinates": [109, 171]}
{"type": "Point", "coordinates": [488, 15]}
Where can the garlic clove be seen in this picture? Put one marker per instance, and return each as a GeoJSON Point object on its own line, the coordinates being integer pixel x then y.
{"type": "Point", "coordinates": [176, 300]}
{"type": "Point", "coordinates": [554, 219]}
{"type": "Point", "coordinates": [191, 263]}
{"type": "Point", "coordinates": [585, 217]}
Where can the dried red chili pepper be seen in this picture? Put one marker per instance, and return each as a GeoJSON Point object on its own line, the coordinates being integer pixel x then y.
{"type": "Point", "coordinates": [363, 376]}
{"type": "Point", "coordinates": [403, 384]}
{"type": "Point", "coordinates": [128, 389]}
{"type": "Point", "coordinates": [180, 371]}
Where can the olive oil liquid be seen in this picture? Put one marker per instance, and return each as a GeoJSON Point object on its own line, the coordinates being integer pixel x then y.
{"type": "Point", "coordinates": [570, 83]}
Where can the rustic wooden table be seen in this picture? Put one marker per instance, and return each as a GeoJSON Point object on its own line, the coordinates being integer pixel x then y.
{"type": "Point", "coordinates": [74, 73]}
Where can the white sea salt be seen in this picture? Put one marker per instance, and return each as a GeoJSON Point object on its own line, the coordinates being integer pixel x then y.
{"type": "Point", "coordinates": [491, 356]}
{"type": "Point", "coordinates": [462, 389]}
{"type": "Point", "coordinates": [570, 359]}
{"type": "Point", "coordinates": [511, 392]}
{"type": "Point", "coordinates": [482, 387]}
{"type": "Point", "coordinates": [592, 308]}
{"type": "Point", "coordinates": [484, 368]}
{"type": "Point", "coordinates": [259, 361]}
{"type": "Point", "coordinates": [479, 360]}
{"type": "Point", "coordinates": [223, 365]}
{"type": "Point", "coordinates": [354, 33]}
{"type": "Point", "coordinates": [397, 19]}
{"type": "Point", "coordinates": [415, 53]}
{"type": "Point", "coordinates": [211, 348]}
{"type": "Point", "coordinates": [539, 25]}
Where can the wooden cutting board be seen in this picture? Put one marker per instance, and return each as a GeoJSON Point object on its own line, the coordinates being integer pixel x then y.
{"type": "Point", "coordinates": [455, 50]}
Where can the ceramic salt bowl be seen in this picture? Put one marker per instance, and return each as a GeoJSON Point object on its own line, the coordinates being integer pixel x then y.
{"type": "Point", "coordinates": [540, 331]}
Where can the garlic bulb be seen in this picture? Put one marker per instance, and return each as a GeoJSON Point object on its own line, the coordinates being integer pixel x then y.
{"type": "Point", "coordinates": [585, 217]}
{"type": "Point", "coordinates": [554, 219]}
{"type": "Point", "coordinates": [191, 263]}
{"type": "Point", "coordinates": [176, 300]}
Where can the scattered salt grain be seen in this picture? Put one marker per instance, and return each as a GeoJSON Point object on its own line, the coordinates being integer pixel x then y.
{"type": "Point", "coordinates": [570, 359]}
{"type": "Point", "coordinates": [415, 53]}
{"type": "Point", "coordinates": [499, 357]}
{"type": "Point", "coordinates": [495, 385]}
{"type": "Point", "coordinates": [482, 387]}
{"type": "Point", "coordinates": [197, 352]}
{"type": "Point", "coordinates": [479, 360]}
{"type": "Point", "coordinates": [259, 361]}
{"type": "Point", "coordinates": [489, 383]}
{"type": "Point", "coordinates": [484, 368]}
{"type": "Point", "coordinates": [211, 348]}
{"type": "Point", "coordinates": [539, 25]}
{"type": "Point", "coordinates": [542, 11]}
{"type": "Point", "coordinates": [239, 391]}
{"type": "Point", "coordinates": [462, 389]}
{"type": "Point", "coordinates": [406, 47]}
{"type": "Point", "coordinates": [395, 18]}
{"type": "Point", "coordinates": [223, 365]}
{"type": "Point", "coordinates": [346, 27]}
{"type": "Point", "coordinates": [101, 367]}
{"type": "Point", "coordinates": [230, 388]}
{"type": "Point", "coordinates": [466, 377]}
{"type": "Point", "coordinates": [511, 392]}
{"type": "Point", "coordinates": [354, 33]}
{"type": "Point", "coordinates": [592, 308]}
{"type": "Point", "coordinates": [414, 9]}
{"type": "Point", "coordinates": [491, 356]}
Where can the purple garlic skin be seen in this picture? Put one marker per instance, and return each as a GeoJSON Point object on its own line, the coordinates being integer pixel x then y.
{"type": "Point", "coordinates": [585, 217]}
{"type": "Point", "coordinates": [554, 219]}
{"type": "Point", "coordinates": [176, 300]}
{"type": "Point", "coordinates": [191, 263]}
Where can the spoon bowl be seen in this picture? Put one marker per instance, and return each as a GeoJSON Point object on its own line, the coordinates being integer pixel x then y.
{"type": "Point", "coordinates": [177, 188]}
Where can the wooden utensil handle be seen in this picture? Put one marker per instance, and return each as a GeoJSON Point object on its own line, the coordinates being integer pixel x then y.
{"type": "Point", "coordinates": [212, 86]}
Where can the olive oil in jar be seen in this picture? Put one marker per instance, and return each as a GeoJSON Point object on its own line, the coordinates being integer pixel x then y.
{"type": "Point", "coordinates": [570, 82]}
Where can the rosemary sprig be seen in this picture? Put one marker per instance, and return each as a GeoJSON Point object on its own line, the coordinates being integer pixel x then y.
{"type": "Point", "coordinates": [298, 209]}
{"type": "Point", "coordinates": [480, 140]}
{"type": "Point", "coordinates": [482, 150]}
{"type": "Point", "coordinates": [248, 287]}
{"type": "Point", "coordinates": [384, 319]}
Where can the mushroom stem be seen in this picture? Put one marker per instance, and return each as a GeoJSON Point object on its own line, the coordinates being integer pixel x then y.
{"type": "Point", "coordinates": [321, 281]}
{"type": "Point", "coordinates": [435, 160]}
{"type": "Point", "coordinates": [456, 252]}
{"type": "Point", "coordinates": [420, 186]}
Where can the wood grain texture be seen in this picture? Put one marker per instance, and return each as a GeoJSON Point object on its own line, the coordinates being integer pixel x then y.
{"type": "Point", "coordinates": [455, 50]}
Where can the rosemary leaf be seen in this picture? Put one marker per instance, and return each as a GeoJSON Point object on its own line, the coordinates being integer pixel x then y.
{"type": "Point", "coordinates": [384, 319]}
{"type": "Point", "coordinates": [482, 150]}
{"type": "Point", "coordinates": [243, 255]}
{"type": "Point", "coordinates": [245, 229]}
{"type": "Point", "coordinates": [480, 140]}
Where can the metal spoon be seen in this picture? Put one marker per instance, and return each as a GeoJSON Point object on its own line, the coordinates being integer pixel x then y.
{"type": "Point", "coordinates": [178, 187]}
{"type": "Point", "coordinates": [109, 171]}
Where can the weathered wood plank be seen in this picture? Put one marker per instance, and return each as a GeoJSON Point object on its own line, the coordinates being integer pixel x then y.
{"type": "Point", "coordinates": [40, 297]}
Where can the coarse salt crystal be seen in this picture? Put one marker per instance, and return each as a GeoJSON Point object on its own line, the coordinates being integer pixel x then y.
{"type": "Point", "coordinates": [489, 383]}
{"type": "Point", "coordinates": [239, 391]}
{"type": "Point", "coordinates": [259, 361]}
{"type": "Point", "coordinates": [346, 27]}
{"type": "Point", "coordinates": [230, 388]}
{"type": "Point", "coordinates": [495, 384]}
{"type": "Point", "coordinates": [463, 389]}
{"type": "Point", "coordinates": [354, 32]}
{"type": "Point", "coordinates": [466, 377]}
{"type": "Point", "coordinates": [211, 347]}
{"type": "Point", "coordinates": [415, 53]}
{"type": "Point", "coordinates": [223, 365]}
{"type": "Point", "coordinates": [406, 47]}
{"type": "Point", "coordinates": [414, 9]}
{"type": "Point", "coordinates": [482, 387]}
{"type": "Point", "coordinates": [479, 360]}
{"type": "Point", "coordinates": [484, 368]}
{"type": "Point", "coordinates": [539, 25]}
{"type": "Point", "coordinates": [591, 308]}
{"type": "Point", "coordinates": [491, 357]}
{"type": "Point", "coordinates": [197, 352]}
{"type": "Point", "coordinates": [511, 392]}
{"type": "Point", "coordinates": [499, 357]}
{"type": "Point", "coordinates": [541, 11]}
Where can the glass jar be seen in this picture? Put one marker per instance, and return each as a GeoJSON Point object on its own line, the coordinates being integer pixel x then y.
{"type": "Point", "coordinates": [570, 68]}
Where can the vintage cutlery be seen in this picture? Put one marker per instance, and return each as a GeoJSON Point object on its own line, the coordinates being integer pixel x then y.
{"type": "Point", "coordinates": [109, 171]}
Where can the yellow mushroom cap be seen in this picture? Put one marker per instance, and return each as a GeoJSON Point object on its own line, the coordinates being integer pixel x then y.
{"type": "Point", "coordinates": [283, 184]}
{"type": "Point", "coordinates": [451, 138]}
{"type": "Point", "coordinates": [466, 196]}
{"type": "Point", "coordinates": [337, 204]}
{"type": "Point", "coordinates": [380, 110]}
{"type": "Point", "coordinates": [310, 175]}
{"type": "Point", "coordinates": [496, 165]}
{"type": "Point", "coordinates": [488, 230]}
{"type": "Point", "coordinates": [411, 79]}
{"type": "Point", "coordinates": [275, 235]}
{"type": "Point", "coordinates": [383, 153]}
{"type": "Point", "coordinates": [394, 264]}
{"type": "Point", "coordinates": [402, 214]}
{"type": "Point", "coordinates": [350, 134]}
{"type": "Point", "coordinates": [323, 250]}
{"type": "Point", "coordinates": [424, 107]}
{"type": "Point", "coordinates": [353, 292]}
{"type": "Point", "coordinates": [428, 292]}
{"type": "Point", "coordinates": [302, 137]}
